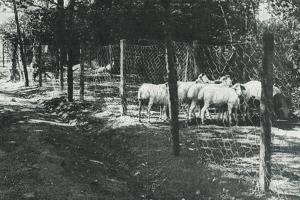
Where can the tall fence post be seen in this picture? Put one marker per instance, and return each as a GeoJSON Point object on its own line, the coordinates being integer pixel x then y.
{"type": "Point", "coordinates": [110, 54]}
{"type": "Point", "coordinates": [3, 55]}
{"type": "Point", "coordinates": [173, 94]}
{"type": "Point", "coordinates": [266, 108]}
{"type": "Point", "coordinates": [186, 64]}
{"type": "Point", "coordinates": [172, 79]}
{"type": "Point", "coordinates": [196, 68]}
{"type": "Point", "coordinates": [122, 79]}
{"type": "Point", "coordinates": [81, 81]}
{"type": "Point", "coordinates": [39, 61]}
{"type": "Point", "coordinates": [61, 69]}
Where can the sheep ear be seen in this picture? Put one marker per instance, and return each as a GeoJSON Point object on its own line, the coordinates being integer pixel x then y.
{"type": "Point", "coordinates": [242, 87]}
{"type": "Point", "coordinates": [236, 85]}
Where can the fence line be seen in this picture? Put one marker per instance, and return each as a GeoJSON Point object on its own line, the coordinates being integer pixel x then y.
{"type": "Point", "coordinates": [133, 64]}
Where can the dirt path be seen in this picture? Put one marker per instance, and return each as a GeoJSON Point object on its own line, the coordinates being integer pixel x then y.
{"type": "Point", "coordinates": [29, 167]}
{"type": "Point", "coordinates": [111, 157]}
{"type": "Point", "coordinates": [43, 158]}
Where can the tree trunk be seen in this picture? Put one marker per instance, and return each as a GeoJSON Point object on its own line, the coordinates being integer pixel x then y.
{"type": "Point", "coordinates": [81, 76]}
{"type": "Point", "coordinates": [70, 51]}
{"type": "Point", "coordinates": [21, 44]}
{"type": "Point", "coordinates": [172, 80]}
{"type": "Point", "coordinates": [60, 40]}
{"type": "Point", "coordinates": [3, 55]}
{"type": "Point", "coordinates": [122, 80]}
{"type": "Point", "coordinates": [266, 108]}
{"type": "Point", "coordinates": [14, 76]}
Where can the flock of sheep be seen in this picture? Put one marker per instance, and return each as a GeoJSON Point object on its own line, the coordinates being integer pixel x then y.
{"type": "Point", "coordinates": [204, 93]}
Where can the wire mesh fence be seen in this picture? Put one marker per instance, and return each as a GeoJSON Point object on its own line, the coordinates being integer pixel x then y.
{"type": "Point", "coordinates": [236, 149]}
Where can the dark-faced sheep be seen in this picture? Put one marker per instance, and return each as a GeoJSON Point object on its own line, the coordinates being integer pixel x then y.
{"type": "Point", "coordinates": [252, 98]}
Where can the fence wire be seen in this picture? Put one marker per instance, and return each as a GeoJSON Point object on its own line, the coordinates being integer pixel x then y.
{"type": "Point", "coordinates": [234, 149]}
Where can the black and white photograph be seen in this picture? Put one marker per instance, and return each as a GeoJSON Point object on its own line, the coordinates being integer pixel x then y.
{"type": "Point", "coordinates": [149, 99]}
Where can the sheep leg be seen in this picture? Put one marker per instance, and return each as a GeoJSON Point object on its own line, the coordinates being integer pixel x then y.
{"type": "Point", "coordinates": [220, 115]}
{"type": "Point", "coordinates": [208, 114]}
{"type": "Point", "coordinates": [244, 112]}
{"type": "Point", "coordinates": [140, 109]}
{"type": "Point", "coordinates": [191, 110]}
{"type": "Point", "coordinates": [167, 111]}
{"type": "Point", "coordinates": [224, 116]}
{"type": "Point", "coordinates": [163, 112]}
{"type": "Point", "coordinates": [236, 117]}
{"type": "Point", "coordinates": [229, 115]}
{"type": "Point", "coordinates": [149, 108]}
{"type": "Point", "coordinates": [205, 107]}
{"type": "Point", "coordinates": [186, 109]}
{"type": "Point", "coordinates": [160, 112]}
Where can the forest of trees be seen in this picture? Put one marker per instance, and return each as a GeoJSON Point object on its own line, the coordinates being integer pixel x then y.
{"type": "Point", "coordinates": [67, 24]}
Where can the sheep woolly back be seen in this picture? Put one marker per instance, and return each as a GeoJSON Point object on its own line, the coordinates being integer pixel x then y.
{"type": "Point", "coordinates": [183, 88]}
{"type": "Point", "coordinates": [218, 95]}
{"type": "Point", "coordinates": [253, 89]}
{"type": "Point", "coordinates": [194, 90]}
{"type": "Point", "coordinates": [158, 93]}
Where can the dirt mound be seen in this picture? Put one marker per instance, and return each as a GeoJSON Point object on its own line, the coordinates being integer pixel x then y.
{"type": "Point", "coordinates": [72, 112]}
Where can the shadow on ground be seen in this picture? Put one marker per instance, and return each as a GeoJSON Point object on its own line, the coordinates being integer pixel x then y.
{"type": "Point", "coordinates": [43, 157]}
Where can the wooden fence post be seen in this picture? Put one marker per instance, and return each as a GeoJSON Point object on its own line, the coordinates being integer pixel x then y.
{"type": "Point", "coordinates": [173, 95]}
{"type": "Point", "coordinates": [196, 68]}
{"type": "Point", "coordinates": [3, 54]}
{"type": "Point", "coordinates": [122, 79]}
{"type": "Point", "coordinates": [266, 112]}
{"type": "Point", "coordinates": [61, 69]}
{"type": "Point", "coordinates": [172, 80]}
{"type": "Point", "coordinates": [186, 64]}
{"type": "Point", "coordinates": [39, 62]}
{"type": "Point", "coordinates": [81, 81]}
{"type": "Point", "coordinates": [110, 54]}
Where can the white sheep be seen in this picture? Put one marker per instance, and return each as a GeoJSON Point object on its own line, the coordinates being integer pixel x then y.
{"type": "Point", "coordinates": [226, 80]}
{"type": "Point", "coordinates": [253, 91]}
{"type": "Point", "coordinates": [202, 78]}
{"type": "Point", "coordinates": [95, 64]}
{"type": "Point", "coordinates": [100, 70]}
{"type": "Point", "coordinates": [109, 66]}
{"type": "Point", "coordinates": [153, 94]}
{"type": "Point", "coordinates": [221, 96]}
{"type": "Point", "coordinates": [193, 92]}
{"type": "Point", "coordinates": [184, 87]}
{"type": "Point", "coordinates": [192, 97]}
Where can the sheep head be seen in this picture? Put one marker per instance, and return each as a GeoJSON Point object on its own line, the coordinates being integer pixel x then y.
{"type": "Point", "coordinates": [202, 78]}
{"type": "Point", "coordinates": [239, 89]}
{"type": "Point", "coordinates": [226, 80]}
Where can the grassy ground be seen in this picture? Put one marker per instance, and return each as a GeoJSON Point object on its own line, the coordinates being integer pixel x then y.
{"type": "Point", "coordinates": [101, 155]}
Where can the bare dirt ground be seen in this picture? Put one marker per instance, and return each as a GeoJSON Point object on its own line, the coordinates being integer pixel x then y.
{"type": "Point", "coordinates": [97, 154]}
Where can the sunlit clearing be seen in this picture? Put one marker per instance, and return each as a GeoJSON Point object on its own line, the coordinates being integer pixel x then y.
{"type": "Point", "coordinates": [264, 12]}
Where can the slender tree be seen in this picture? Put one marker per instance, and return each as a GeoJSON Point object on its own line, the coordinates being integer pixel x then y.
{"type": "Point", "coordinates": [20, 41]}
{"type": "Point", "coordinates": [70, 47]}
{"type": "Point", "coordinates": [60, 40]}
